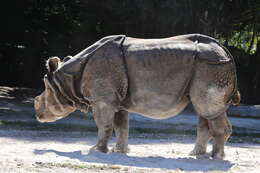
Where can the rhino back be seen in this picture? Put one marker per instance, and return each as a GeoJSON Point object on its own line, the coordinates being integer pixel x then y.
{"type": "Point", "coordinates": [159, 71]}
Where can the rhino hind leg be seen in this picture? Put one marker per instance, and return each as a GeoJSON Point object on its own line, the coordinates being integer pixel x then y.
{"type": "Point", "coordinates": [212, 109]}
{"type": "Point", "coordinates": [210, 91]}
{"type": "Point", "coordinates": [203, 137]}
{"type": "Point", "coordinates": [103, 116]}
{"type": "Point", "coordinates": [121, 127]}
{"type": "Point", "coordinates": [220, 129]}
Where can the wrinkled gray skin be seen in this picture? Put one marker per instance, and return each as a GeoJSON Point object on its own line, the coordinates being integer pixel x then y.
{"type": "Point", "coordinates": [156, 78]}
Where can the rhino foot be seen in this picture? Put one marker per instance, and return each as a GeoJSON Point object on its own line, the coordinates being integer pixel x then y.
{"type": "Point", "coordinates": [218, 156]}
{"type": "Point", "coordinates": [102, 149]}
{"type": "Point", "coordinates": [120, 149]}
{"type": "Point", "coordinates": [198, 151]}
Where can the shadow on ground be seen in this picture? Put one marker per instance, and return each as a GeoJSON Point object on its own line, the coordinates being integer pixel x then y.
{"type": "Point", "coordinates": [182, 163]}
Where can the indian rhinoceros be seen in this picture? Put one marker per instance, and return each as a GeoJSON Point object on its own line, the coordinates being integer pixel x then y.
{"type": "Point", "coordinates": [156, 78]}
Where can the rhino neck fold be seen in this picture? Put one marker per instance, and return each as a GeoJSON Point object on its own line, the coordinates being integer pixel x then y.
{"type": "Point", "coordinates": [65, 84]}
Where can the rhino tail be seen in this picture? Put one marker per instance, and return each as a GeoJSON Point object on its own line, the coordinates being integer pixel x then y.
{"type": "Point", "coordinates": [235, 100]}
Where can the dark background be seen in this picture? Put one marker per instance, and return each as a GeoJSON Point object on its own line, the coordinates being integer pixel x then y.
{"type": "Point", "coordinates": [33, 30]}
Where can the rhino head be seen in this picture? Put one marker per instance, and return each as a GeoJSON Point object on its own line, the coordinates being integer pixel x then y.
{"type": "Point", "coordinates": [50, 105]}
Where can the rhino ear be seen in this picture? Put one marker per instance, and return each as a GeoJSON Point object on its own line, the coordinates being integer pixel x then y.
{"type": "Point", "coordinates": [52, 64]}
{"type": "Point", "coordinates": [67, 58]}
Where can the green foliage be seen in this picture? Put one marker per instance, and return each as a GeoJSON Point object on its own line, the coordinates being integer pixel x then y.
{"type": "Point", "coordinates": [243, 39]}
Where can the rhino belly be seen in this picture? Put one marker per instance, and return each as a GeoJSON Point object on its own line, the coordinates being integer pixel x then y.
{"type": "Point", "coordinates": [157, 95]}
{"type": "Point", "coordinates": [159, 108]}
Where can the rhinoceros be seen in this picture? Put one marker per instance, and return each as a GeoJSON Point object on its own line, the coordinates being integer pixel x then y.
{"type": "Point", "coordinates": [156, 78]}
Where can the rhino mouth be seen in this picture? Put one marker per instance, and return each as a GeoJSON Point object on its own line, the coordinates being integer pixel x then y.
{"type": "Point", "coordinates": [46, 120]}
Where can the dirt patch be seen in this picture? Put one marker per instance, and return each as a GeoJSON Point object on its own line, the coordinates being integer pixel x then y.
{"type": "Point", "coordinates": [32, 151]}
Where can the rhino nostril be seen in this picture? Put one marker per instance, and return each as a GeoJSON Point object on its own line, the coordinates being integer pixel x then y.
{"type": "Point", "coordinates": [38, 118]}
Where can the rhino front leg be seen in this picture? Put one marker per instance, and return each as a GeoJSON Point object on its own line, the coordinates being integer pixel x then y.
{"type": "Point", "coordinates": [203, 137]}
{"type": "Point", "coordinates": [221, 129]}
{"type": "Point", "coordinates": [121, 126]}
{"type": "Point", "coordinates": [103, 116]}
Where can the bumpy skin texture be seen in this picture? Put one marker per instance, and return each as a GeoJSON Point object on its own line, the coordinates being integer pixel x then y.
{"type": "Point", "coordinates": [153, 77]}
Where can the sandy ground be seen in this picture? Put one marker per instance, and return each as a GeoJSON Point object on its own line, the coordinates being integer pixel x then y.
{"type": "Point", "coordinates": [156, 146]}
{"type": "Point", "coordinates": [43, 151]}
